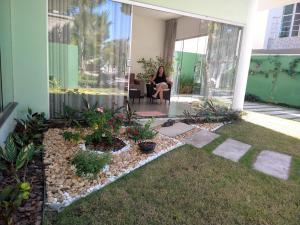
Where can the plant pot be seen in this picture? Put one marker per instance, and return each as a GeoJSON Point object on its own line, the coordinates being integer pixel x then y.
{"type": "Point", "coordinates": [147, 146]}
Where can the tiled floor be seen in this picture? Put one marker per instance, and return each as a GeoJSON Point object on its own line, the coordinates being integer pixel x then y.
{"type": "Point", "coordinates": [172, 109]}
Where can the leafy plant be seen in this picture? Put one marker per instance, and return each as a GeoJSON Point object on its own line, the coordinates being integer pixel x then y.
{"type": "Point", "coordinates": [89, 164]}
{"type": "Point", "coordinates": [252, 98]}
{"type": "Point", "coordinates": [140, 133]}
{"type": "Point", "coordinates": [70, 136]}
{"type": "Point", "coordinates": [70, 116]}
{"type": "Point", "coordinates": [13, 159]}
{"type": "Point", "coordinates": [130, 114]}
{"type": "Point", "coordinates": [210, 112]}
{"type": "Point", "coordinates": [54, 83]}
{"type": "Point", "coordinates": [31, 128]}
{"type": "Point", "coordinates": [105, 123]}
{"type": "Point", "coordinates": [151, 66]}
{"type": "Point", "coordinates": [11, 198]}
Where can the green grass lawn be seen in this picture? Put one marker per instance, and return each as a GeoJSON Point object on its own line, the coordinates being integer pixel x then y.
{"type": "Point", "coordinates": [192, 186]}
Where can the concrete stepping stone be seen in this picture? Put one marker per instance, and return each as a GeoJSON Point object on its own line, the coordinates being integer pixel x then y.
{"type": "Point", "coordinates": [273, 163]}
{"type": "Point", "coordinates": [201, 138]}
{"type": "Point", "coordinates": [155, 123]}
{"type": "Point", "coordinates": [175, 130]}
{"type": "Point", "coordinates": [232, 150]}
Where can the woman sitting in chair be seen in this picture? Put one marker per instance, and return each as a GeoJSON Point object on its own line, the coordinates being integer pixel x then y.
{"type": "Point", "coordinates": [161, 83]}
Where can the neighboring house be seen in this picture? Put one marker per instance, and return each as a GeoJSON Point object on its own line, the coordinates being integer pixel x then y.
{"type": "Point", "coordinates": [283, 27]}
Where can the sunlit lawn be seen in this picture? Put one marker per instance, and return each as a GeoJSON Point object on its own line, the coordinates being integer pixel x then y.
{"type": "Point", "coordinates": [192, 186]}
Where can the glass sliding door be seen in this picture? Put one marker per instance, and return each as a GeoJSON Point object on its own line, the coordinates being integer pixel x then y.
{"type": "Point", "coordinates": [205, 66]}
{"type": "Point", "coordinates": [221, 61]}
{"type": "Point", "coordinates": [89, 43]}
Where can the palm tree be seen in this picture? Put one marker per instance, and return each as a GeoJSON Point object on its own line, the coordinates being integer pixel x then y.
{"type": "Point", "coordinates": [90, 29]}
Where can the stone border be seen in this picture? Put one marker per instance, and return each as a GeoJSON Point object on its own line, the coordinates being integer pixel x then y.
{"type": "Point", "coordinates": [69, 200]}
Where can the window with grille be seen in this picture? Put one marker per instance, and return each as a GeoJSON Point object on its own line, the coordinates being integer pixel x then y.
{"type": "Point", "coordinates": [290, 24]}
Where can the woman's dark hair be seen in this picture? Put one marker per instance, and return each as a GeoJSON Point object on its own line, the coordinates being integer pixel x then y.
{"type": "Point", "coordinates": [157, 73]}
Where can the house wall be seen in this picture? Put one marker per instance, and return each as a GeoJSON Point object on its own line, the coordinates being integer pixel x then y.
{"type": "Point", "coordinates": [30, 54]}
{"type": "Point", "coordinates": [282, 88]}
{"type": "Point", "coordinates": [6, 52]}
{"type": "Point", "coordinates": [261, 21]}
{"type": "Point", "coordinates": [148, 36]}
{"type": "Point", "coordinates": [7, 68]}
{"type": "Point", "coordinates": [30, 48]}
{"type": "Point", "coordinates": [231, 10]}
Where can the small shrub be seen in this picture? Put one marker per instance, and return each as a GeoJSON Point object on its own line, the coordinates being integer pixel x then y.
{"type": "Point", "coordinates": [89, 164]}
{"type": "Point", "coordinates": [252, 98]}
{"type": "Point", "coordinates": [140, 133]}
{"type": "Point", "coordinates": [70, 136]}
{"type": "Point", "coordinates": [12, 159]}
{"type": "Point", "coordinates": [210, 112]}
{"type": "Point", "coordinates": [31, 128]}
{"type": "Point", "coordinates": [70, 116]}
{"type": "Point", "coordinates": [105, 123]}
{"type": "Point", "coordinates": [11, 198]}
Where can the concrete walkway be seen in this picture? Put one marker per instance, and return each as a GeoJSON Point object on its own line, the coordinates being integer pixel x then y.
{"type": "Point", "coordinates": [273, 110]}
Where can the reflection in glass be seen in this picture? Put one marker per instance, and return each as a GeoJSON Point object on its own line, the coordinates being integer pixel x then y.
{"type": "Point", "coordinates": [88, 50]}
{"type": "Point", "coordinates": [205, 66]}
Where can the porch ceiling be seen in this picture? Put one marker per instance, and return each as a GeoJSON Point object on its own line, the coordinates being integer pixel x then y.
{"type": "Point", "coordinates": [269, 4]}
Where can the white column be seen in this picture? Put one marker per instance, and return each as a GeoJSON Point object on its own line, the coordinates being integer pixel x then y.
{"type": "Point", "coordinates": [245, 57]}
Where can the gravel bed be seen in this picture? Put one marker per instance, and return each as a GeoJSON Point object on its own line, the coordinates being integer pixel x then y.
{"type": "Point", "coordinates": [63, 186]}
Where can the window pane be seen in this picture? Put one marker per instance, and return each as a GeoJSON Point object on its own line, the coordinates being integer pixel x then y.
{"type": "Point", "coordinates": [295, 33]}
{"type": "Point", "coordinates": [286, 24]}
{"type": "Point", "coordinates": [287, 19]}
{"type": "Point", "coordinates": [289, 9]}
{"type": "Point", "coordinates": [296, 28]}
{"type": "Point", "coordinates": [285, 29]}
{"type": "Point", "coordinates": [88, 49]}
{"type": "Point", "coordinates": [298, 8]}
{"type": "Point", "coordinates": [284, 34]}
{"type": "Point", "coordinates": [296, 22]}
{"type": "Point", "coordinates": [297, 17]}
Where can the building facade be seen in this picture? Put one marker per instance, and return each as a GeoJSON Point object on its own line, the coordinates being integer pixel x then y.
{"type": "Point", "coordinates": [283, 27]}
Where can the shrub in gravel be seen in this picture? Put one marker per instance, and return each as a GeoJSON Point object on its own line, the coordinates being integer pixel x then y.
{"type": "Point", "coordinates": [89, 164]}
{"type": "Point", "coordinates": [70, 136]}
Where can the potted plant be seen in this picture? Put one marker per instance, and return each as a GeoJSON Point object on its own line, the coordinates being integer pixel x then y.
{"type": "Point", "coordinates": [140, 133]}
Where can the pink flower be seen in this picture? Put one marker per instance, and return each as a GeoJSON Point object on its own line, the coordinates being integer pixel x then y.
{"type": "Point", "coordinates": [100, 109]}
{"type": "Point", "coordinates": [120, 116]}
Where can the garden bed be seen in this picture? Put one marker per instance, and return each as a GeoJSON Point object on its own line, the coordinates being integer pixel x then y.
{"type": "Point", "coordinates": [64, 187]}
{"type": "Point", "coordinates": [31, 212]}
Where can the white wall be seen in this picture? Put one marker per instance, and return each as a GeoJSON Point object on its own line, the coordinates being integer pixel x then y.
{"type": "Point", "coordinates": [261, 21]}
{"type": "Point", "coordinates": [188, 27]}
{"type": "Point", "coordinates": [235, 11]}
{"type": "Point", "coordinates": [273, 13]}
{"type": "Point", "coordinates": [147, 39]}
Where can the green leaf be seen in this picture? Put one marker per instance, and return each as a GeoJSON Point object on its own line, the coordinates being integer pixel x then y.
{"type": "Point", "coordinates": [9, 153]}
{"type": "Point", "coordinates": [31, 151]}
{"type": "Point", "coordinates": [22, 158]}
{"type": "Point", "coordinates": [2, 166]}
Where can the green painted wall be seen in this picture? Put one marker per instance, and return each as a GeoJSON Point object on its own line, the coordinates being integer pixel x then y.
{"type": "Point", "coordinates": [30, 54]}
{"type": "Point", "coordinates": [63, 64]}
{"type": "Point", "coordinates": [6, 52]}
{"type": "Point", "coordinates": [188, 63]}
{"type": "Point", "coordinates": [230, 10]}
{"type": "Point", "coordinates": [283, 89]}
